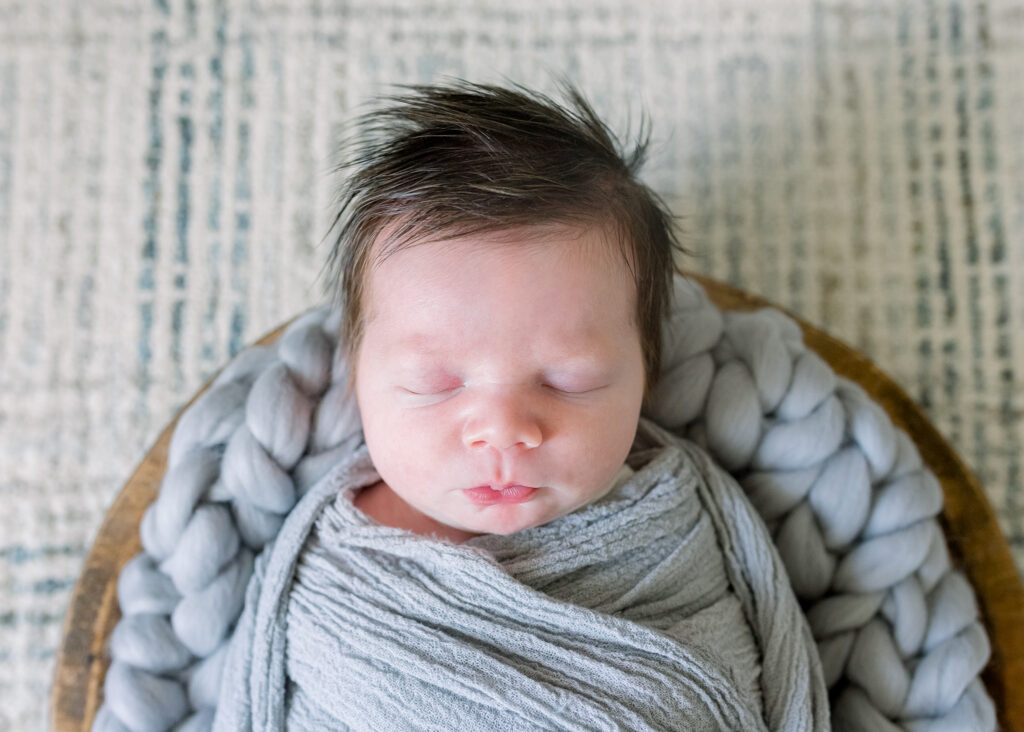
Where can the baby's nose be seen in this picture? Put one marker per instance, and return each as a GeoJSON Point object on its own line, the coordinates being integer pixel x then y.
{"type": "Point", "coordinates": [503, 421]}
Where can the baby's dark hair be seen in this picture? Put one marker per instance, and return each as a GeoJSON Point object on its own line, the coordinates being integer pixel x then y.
{"type": "Point", "coordinates": [450, 160]}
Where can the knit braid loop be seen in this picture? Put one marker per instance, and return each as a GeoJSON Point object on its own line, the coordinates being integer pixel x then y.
{"type": "Point", "coordinates": [850, 506]}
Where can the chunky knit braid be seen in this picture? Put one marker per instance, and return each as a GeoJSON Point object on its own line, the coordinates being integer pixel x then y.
{"type": "Point", "coordinates": [851, 508]}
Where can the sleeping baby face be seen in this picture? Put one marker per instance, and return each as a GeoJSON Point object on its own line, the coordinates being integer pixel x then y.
{"type": "Point", "coordinates": [499, 379]}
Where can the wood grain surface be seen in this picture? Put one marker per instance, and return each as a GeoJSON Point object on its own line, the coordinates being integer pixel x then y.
{"type": "Point", "coordinates": [976, 543]}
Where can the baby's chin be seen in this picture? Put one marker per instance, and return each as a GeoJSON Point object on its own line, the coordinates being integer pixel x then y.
{"type": "Point", "coordinates": [506, 519]}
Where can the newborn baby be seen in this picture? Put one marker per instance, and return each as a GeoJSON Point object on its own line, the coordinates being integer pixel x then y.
{"type": "Point", "coordinates": [510, 544]}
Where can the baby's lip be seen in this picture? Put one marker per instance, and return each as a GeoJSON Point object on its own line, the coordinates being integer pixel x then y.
{"type": "Point", "coordinates": [506, 493]}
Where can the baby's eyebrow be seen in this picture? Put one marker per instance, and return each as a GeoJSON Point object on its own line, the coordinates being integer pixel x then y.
{"type": "Point", "coordinates": [414, 345]}
{"type": "Point", "coordinates": [418, 344]}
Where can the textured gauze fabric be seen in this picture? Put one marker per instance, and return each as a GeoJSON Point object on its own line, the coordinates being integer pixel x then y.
{"type": "Point", "coordinates": [663, 605]}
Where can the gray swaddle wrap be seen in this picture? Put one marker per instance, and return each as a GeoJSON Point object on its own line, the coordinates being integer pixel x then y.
{"type": "Point", "coordinates": [663, 605]}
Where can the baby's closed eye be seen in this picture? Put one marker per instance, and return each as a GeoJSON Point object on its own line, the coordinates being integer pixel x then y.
{"type": "Point", "coordinates": [442, 382]}
{"type": "Point", "coordinates": [571, 388]}
{"type": "Point", "coordinates": [575, 383]}
{"type": "Point", "coordinates": [427, 388]}
{"type": "Point", "coordinates": [422, 381]}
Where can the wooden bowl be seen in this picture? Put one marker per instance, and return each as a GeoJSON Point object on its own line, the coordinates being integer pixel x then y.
{"type": "Point", "coordinates": [975, 541]}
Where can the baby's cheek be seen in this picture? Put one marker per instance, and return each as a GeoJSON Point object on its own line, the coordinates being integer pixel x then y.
{"type": "Point", "coordinates": [612, 437]}
{"type": "Point", "coordinates": [412, 451]}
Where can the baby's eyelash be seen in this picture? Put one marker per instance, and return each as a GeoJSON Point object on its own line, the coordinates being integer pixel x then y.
{"type": "Point", "coordinates": [563, 390]}
{"type": "Point", "coordinates": [548, 386]}
{"type": "Point", "coordinates": [429, 392]}
{"type": "Point", "coordinates": [559, 389]}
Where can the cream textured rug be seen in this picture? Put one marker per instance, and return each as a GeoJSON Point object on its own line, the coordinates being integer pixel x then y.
{"type": "Point", "coordinates": [164, 187]}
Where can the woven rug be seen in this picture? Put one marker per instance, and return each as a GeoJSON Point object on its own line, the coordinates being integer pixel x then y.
{"type": "Point", "coordinates": [165, 187]}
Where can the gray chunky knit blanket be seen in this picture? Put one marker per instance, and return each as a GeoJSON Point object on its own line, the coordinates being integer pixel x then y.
{"type": "Point", "coordinates": [848, 504]}
{"type": "Point", "coordinates": [661, 606]}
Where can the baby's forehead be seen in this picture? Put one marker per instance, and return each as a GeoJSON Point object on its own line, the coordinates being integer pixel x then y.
{"type": "Point", "coordinates": [573, 246]}
{"type": "Point", "coordinates": [503, 278]}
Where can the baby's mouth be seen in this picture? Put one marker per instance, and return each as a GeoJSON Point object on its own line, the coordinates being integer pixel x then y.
{"type": "Point", "coordinates": [485, 495]}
